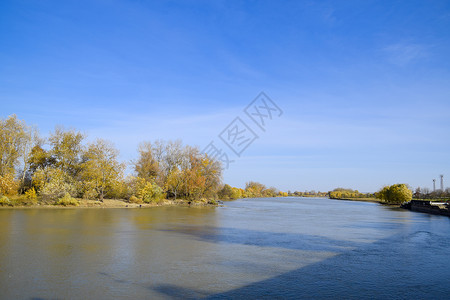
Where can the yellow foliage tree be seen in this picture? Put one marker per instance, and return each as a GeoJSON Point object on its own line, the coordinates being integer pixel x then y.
{"type": "Point", "coordinates": [8, 185]}
{"type": "Point", "coordinates": [395, 194]}
{"type": "Point", "coordinates": [101, 169]}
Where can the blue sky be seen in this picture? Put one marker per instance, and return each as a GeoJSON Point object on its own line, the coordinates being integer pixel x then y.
{"type": "Point", "coordinates": [364, 85]}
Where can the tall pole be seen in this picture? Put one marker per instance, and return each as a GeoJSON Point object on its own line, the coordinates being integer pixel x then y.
{"type": "Point", "coordinates": [442, 182]}
{"type": "Point", "coordinates": [434, 185]}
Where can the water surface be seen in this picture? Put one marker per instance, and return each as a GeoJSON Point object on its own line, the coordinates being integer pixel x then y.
{"type": "Point", "coordinates": [252, 248]}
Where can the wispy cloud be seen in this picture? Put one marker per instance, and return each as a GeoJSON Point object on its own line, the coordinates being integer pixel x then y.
{"type": "Point", "coordinates": [404, 53]}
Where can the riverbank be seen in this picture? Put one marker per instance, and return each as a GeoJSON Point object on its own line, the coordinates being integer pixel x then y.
{"type": "Point", "coordinates": [115, 203]}
{"type": "Point", "coordinates": [373, 200]}
{"type": "Point", "coordinates": [429, 207]}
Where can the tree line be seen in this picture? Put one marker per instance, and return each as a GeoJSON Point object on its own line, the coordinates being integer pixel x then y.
{"type": "Point", "coordinates": [252, 189]}
{"type": "Point", "coordinates": [65, 166]}
{"type": "Point", "coordinates": [311, 193]}
{"type": "Point", "coordinates": [390, 194]}
{"type": "Point", "coordinates": [342, 193]}
{"type": "Point", "coordinates": [426, 193]}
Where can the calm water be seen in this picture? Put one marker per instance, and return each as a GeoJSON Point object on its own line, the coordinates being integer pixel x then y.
{"type": "Point", "coordinates": [256, 248]}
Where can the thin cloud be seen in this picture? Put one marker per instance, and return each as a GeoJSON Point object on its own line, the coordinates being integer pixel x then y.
{"type": "Point", "coordinates": [402, 53]}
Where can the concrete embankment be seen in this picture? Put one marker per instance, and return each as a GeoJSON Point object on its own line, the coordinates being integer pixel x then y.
{"type": "Point", "coordinates": [435, 208]}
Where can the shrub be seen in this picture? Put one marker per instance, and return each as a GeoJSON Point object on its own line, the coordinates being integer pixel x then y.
{"type": "Point", "coordinates": [67, 200]}
{"type": "Point", "coordinates": [4, 201]}
{"type": "Point", "coordinates": [134, 199]}
{"type": "Point", "coordinates": [213, 202]}
{"type": "Point", "coordinates": [148, 191]}
{"type": "Point", "coordinates": [119, 190]}
{"type": "Point", "coordinates": [54, 183]}
{"type": "Point", "coordinates": [30, 194]}
{"type": "Point", "coordinates": [23, 200]}
{"type": "Point", "coordinates": [90, 194]}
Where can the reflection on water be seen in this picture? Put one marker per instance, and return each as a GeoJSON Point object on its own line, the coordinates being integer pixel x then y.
{"type": "Point", "coordinates": [253, 248]}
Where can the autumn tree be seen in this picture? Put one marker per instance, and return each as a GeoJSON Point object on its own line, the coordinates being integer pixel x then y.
{"type": "Point", "coordinates": [202, 175]}
{"type": "Point", "coordinates": [254, 189]}
{"type": "Point", "coordinates": [54, 173]}
{"type": "Point", "coordinates": [31, 140]}
{"type": "Point", "coordinates": [270, 192]}
{"type": "Point", "coordinates": [16, 142]}
{"type": "Point", "coordinates": [174, 183]}
{"type": "Point", "coordinates": [39, 159]}
{"type": "Point", "coordinates": [8, 185]}
{"type": "Point", "coordinates": [67, 150]}
{"type": "Point", "coordinates": [212, 171]}
{"type": "Point", "coordinates": [170, 155]}
{"type": "Point", "coordinates": [145, 191]}
{"type": "Point", "coordinates": [146, 166]}
{"type": "Point", "coordinates": [12, 139]}
{"type": "Point", "coordinates": [238, 193]}
{"type": "Point", "coordinates": [395, 194]}
{"type": "Point", "coordinates": [226, 192]}
{"type": "Point", "coordinates": [53, 183]}
{"type": "Point", "coordinates": [101, 169]}
{"type": "Point", "coordinates": [182, 171]}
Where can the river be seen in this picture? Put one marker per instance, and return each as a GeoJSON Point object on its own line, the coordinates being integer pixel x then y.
{"type": "Point", "coordinates": [251, 248]}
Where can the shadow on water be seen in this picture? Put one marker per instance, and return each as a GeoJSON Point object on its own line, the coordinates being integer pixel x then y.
{"type": "Point", "coordinates": [293, 241]}
{"type": "Point", "coordinates": [387, 268]}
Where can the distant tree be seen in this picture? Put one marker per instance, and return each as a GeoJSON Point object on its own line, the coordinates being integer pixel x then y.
{"type": "Point", "coordinates": [418, 193]}
{"type": "Point", "coordinates": [426, 193]}
{"type": "Point", "coordinates": [342, 193]}
{"type": "Point", "coordinates": [270, 192]}
{"type": "Point", "coordinates": [254, 189]}
{"type": "Point", "coordinates": [226, 192]}
{"type": "Point", "coordinates": [183, 171]}
{"type": "Point", "coordinates": [395, 194]}
{"type": "Point", "coordinates": [238, 193]}
{"type": "Point", "coordinates": [211, 170]}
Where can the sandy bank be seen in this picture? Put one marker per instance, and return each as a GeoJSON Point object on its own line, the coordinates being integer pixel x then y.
{"type": "Point", "coordinates": [117, 203]}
